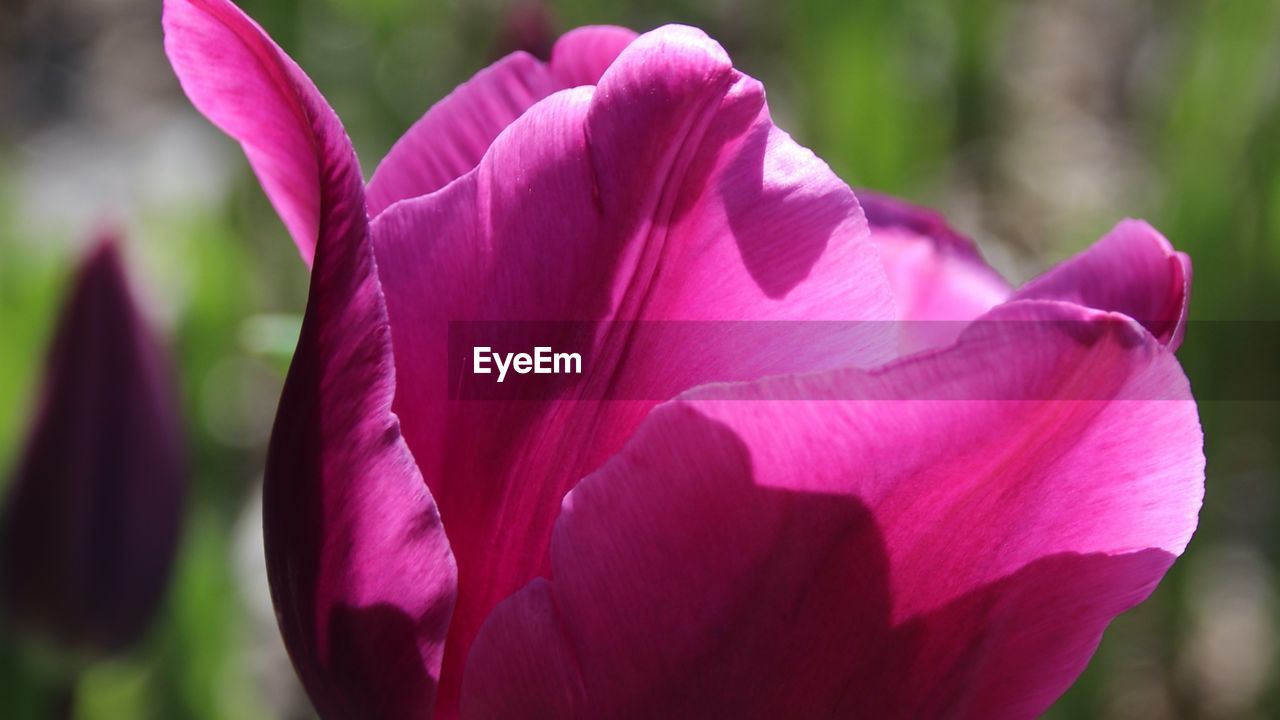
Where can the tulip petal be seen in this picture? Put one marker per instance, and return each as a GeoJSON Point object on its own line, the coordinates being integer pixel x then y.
{"type": "Point", "coordinates": [246, 85]}
{"type": "Point", "coordinates": [665, 193]}
{"type": "Point", "coordinates": [361, 573]}
{"type": "Point", "coordinates": [890, 544]}
{"type": "Point", "coordinates": [454, 134]}
{"type": "Point", "coordinates": [96, 503]}
{"type": "Point", "coordinates": [582, 55]}
{"type": "Point", "coordinates": [1132, 270]}
{"type": "Point", "coordinates": [939, 278]}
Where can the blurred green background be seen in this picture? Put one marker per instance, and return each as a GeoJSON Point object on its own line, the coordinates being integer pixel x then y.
{"type": "Point", "coordinates": [1034, 125]}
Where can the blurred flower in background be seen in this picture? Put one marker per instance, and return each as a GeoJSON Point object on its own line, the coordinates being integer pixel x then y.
{"type": "Point", "coordinates": [527, 26]}
{"type": "Point", "coordinates": [1033, 124]}
{"type": "Point", "coordinates": [91, 523]}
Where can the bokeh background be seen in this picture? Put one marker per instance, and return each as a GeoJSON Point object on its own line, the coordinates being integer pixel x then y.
{"type": "Point", "coordinates": [1034, 125]}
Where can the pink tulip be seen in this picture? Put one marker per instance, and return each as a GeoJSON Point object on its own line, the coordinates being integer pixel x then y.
{"type": "Point", "coordinates": [810, 540]}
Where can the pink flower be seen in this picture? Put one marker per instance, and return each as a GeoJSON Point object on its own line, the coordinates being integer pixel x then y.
{"type": "Point", "coordinates": [811, 540]}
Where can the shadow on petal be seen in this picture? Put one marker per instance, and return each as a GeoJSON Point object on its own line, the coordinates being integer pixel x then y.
{"type": "Point", "coordinates": [763, 207]}
{"type": "Point", "coordinates": [683, 589]}
{"type": "Point", "coordinates": [368, 643]}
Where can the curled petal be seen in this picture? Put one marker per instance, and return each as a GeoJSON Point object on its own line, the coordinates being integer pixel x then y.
{"type": "Point", "coordinates": [931, 539]}
{"type": "Point", "coordinates": [96, 502]}
{"type": "Point", "coordinates": [361, 573]}
{"type": "Point", "coordinates": [246, 85]}
{"type": "Point", "coordinates": [1132, 270]}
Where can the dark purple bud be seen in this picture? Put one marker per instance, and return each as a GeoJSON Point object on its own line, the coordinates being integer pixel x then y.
{"type": "Point", "coordinates": [95, 505]}
{"type": "Point", "coordinates": [526, 25]}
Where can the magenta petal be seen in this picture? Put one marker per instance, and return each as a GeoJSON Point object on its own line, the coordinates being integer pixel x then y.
{"type": "Point", "coordinates": [361, 573]}
{"type": "Point", "coordinates": [1132, 270]}
{"type": "Point", "coordinates": [664, 193]}
{"type": "Point", "coordinates": [887, 544]}
{"type": "Point", "coordinates": [885, 212]}
{"type": "Point", "coordinates": [96, 502]}
{"type": "Point", "coordinates": [455, 133]}
{"type": "Point", "coordinates": [582, 55]}
{"type": "Point", "coordinates": [939, 279]}
{"type": "Point", "coordinates": [241, 80]}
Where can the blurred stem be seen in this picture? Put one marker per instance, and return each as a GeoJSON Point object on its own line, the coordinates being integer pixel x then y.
{"type": "Point", "coordinates": [63, 705]}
